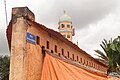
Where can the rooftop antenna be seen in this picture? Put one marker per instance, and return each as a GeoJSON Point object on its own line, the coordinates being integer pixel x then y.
{"type": "Point", "coordinates": [5, 12]}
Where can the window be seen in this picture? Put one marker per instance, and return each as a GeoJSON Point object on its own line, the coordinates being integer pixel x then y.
{"type": "Point", "coordinates": [87, 63]}
{"type": "Point", "coordinates": [38, 40]}
{"type": "Point", "coordinates": [43, 49]}
{"type": "Point", "coordinates": [94, 65]}
{"type": "Point", "coordinates": [62, 25]}
{"type": "Point", "coordinates": [68, 26]}
{"type": "Point", "coordinates": [77, 58]}
{"type": "Point", "coordinates": [55, 48]}
{"type": "Point", "coordinates": [58, 54]}
{"type": "Point", "coordinates": [63, 52]}
{"type": "Point", "coordinates": [65, 56]}
{"type": "Point", "coordinates": [84, 61]}
{"type": "Point", "coordinates": [51, 51]}
{"type": "Point", "coordinates": [81, 60]}
{"type": "Point", "coordinates": [47, 45]}
{"type": "Point", "coordinates": [90, 64]}
{"type": "Point", "coordinates": [68, 36]}
{"type": "Point", "coordinates": [68, 54]}
{"type": "Point", "coordinates": [73, 56]}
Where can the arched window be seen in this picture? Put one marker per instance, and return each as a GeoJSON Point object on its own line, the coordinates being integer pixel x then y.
{"type": "Point", "coordinates": [51, 51]}
{"type": "Point", "coordinates": [55, 48]}
{"type": "Point", "coordinates": [68, 36]}
{"type": "Point", "coordinates": [84, 61]}
{"type": "Point", "coordinates": [62, 25]}
{"type": "Point", "coordinates": [47, 44]}
{"type": "Point", "coordinates": [81, 60]}
{"type": "Point", "coordinates": [73, 56]}
{"type": "Point", "coordinates": [77, 58]}
{"type": "Point", "coordinates": [58, 54]}
{"type": "Point", "coordinates": [94, 65]}
{"type": "Point", "coordinates": [68, 54]}
{"type": "Point", "coordinates": [68, 26]}
{"type": "Point", "coordinates": [90, 64]}
{"type": "Point", "coordinates": [38, 40]}
{"type": "Point", "coordinates": [63, 52]}
{"type": "Point", "coordinates": [87, 62]}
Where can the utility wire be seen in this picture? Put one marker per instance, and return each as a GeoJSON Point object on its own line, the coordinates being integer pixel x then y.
{"type": "Point", "coordinates": [5, 12]}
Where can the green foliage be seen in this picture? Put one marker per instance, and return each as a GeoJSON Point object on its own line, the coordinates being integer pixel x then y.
{"type": "Point", "coordinates": [4, 67]}
{"type": "Point", "coordinates": [111, 55]}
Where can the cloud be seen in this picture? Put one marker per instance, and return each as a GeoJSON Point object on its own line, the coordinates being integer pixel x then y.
{"type": "Point", "coordinates": [3, 40]}
{"type": "Point", "coordinates": [83, 12]}
{"type": "Point", "coordinates": [3, 44]}
{"type": "Point", "coordinates": [104, 29]}
{"type": "Point", "coordinates": [92, 19]}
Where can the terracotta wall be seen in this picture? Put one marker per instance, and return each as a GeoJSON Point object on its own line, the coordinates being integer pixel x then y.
{"type": "Point", "coordinates": [34, 51]}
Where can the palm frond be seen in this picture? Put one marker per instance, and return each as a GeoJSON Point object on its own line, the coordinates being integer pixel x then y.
{"type": "Point", "coordinates": [101, 55]}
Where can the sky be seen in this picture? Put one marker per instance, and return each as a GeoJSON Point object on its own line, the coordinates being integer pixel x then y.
{"type": "Point", "coordinates": [93, 20]}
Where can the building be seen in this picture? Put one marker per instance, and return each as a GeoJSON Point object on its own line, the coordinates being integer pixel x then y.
{"type": "Point", "coordinates": [66, 27]}
{"type": "Point", "coordinates": [29, 43]}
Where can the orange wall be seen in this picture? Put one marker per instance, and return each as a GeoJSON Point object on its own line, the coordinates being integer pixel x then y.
{"type": "Point", "coordinates": [34, 57]}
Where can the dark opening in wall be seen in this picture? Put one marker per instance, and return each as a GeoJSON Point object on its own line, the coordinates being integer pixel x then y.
{"type": "Point", "coordinates": [51, 51]}
{"type": "Point", "coordinates": [81, 60]}
{"type": "Point", "coordinates": [47, 44]}
{"type": "Point", "coordinates": [55, 48]}
{"type": "Point", "coordinates": [92, 65]}
{"type": "Point", "coordinates": [38, 40]}
{"type": "Point", "coordinates": [68, 36]}
{"type": "Point", "coordinates": [62, 25]}
{"type": "Point", "coordinates": [68, 26]}
{"type": "Point", "coordinates": [43, 49]}
{"type": "Point", "coordinates": [77, 58]}
{"type": "Point", "coordinates": [73, 56]}
{"type": "Point", "coordinates": [58, 54]}
{"type": "Point", "coordinates": [68, 54]}
{"type": "Point", "coordinates": [63, 52]}
{"type": "Point", "coordinates": [65, 56]}
{"type": "Point", "coordinates": [87, 63]}
{"type": "Point", "coordinates": [84, 61]}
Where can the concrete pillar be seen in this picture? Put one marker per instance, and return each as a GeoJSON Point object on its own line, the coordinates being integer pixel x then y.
{"type": "Point", "coordinates": [20, 15]}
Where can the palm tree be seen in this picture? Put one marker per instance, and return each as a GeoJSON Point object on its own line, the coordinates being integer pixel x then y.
{"type": "Point", "coordinates": [111, 55]}
{"type": "Point", "coordinates": [116, 47]}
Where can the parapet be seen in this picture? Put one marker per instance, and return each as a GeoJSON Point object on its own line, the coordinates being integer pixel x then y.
{"type": "Point", "coordinates": [22, 12]}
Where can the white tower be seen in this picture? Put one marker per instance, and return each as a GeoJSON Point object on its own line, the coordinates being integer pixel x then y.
{"type": "Point", "coordinates": [66, 27]}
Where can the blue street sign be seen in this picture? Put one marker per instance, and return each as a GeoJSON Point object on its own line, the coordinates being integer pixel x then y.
{"type": "Point", "coordinates": [30, 38]}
